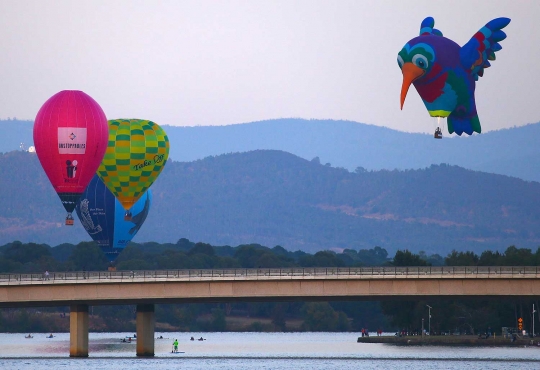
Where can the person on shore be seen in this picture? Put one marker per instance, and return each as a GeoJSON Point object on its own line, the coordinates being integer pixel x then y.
{"type": "Point", "coordinates": [46, 274]}
{"type": "Point", "coordinates": [175, 345]}
{"type": "Point", "coordinates": [363, 332]}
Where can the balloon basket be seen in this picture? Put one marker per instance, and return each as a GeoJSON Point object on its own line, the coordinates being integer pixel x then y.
{"type": "Point", "coordinates": [112, 268]}
{"type": "Point", "coordinates": [127, 216]}
{"type": "Point", "coordinates": [69, 221]}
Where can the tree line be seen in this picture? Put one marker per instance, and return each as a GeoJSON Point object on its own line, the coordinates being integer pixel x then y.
{"type": "Point", "coordinates": [448, 315]}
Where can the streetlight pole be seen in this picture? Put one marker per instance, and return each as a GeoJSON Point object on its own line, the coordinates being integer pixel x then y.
{"type": "Point", "coordinates": [533, 311]}
{"type": "Point", "coordinates": [429, 318]}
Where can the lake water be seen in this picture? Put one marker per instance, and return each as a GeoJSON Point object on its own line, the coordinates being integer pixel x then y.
{"type": "Point", "coordinates": [296, 351]}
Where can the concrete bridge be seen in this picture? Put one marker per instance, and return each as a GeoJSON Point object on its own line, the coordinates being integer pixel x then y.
{"type": "Point", "coordinates": [79, 290]}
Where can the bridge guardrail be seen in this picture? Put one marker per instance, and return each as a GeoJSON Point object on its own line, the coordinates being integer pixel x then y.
{"type": "Point", "coordinates": [269, 273]}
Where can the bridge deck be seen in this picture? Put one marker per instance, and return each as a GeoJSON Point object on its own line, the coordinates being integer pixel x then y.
{"type": "Point", "coordinates": [330, 273]}
{"type": "Point", "coordinates": [169, 286]}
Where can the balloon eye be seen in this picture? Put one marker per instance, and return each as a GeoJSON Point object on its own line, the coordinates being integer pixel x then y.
{"type": "Point", "coordinates": [400, 61]}
{"type": "Point", "coordinates": [420, 61]}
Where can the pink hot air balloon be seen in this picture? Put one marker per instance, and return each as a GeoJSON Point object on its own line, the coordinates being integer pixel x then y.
{"type": "Point", "coordinates": [70, 136]}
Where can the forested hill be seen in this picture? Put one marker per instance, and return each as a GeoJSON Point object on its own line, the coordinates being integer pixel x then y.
{"type": "Point", "coordinates": [275, 198]}
{"type": "Point", "coordinates": [347, 144]}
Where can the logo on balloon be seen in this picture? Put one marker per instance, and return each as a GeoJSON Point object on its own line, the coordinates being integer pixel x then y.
{"type": "Point", "coordinates": [71, 140]}
{"type": "Point", "coordinates": [158, 158]}
{"type": "Point", "coordinates": [86, 218]}
{"type": "Point", "coordinates": [71, 168]}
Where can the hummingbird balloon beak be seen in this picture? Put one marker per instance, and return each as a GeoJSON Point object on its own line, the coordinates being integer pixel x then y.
{"type": "Point", "coordinates": [410, 74]}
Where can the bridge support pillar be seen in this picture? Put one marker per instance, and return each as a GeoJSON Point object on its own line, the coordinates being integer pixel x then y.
{"type": "Point", "coordinates": [78, 331]}
{"type": "Point", "coordinates": [145, 330]}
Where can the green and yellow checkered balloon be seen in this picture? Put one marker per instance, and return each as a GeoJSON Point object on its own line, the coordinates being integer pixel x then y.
{"type": "Point", "coordinates": [137, 152]}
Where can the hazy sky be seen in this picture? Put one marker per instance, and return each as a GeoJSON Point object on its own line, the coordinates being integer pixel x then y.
{"type": "Point", "coordinates": [221, 62]}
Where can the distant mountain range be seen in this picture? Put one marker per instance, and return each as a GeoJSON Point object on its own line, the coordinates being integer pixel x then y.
{"type": "Point", "coordinates": [512, 152]}
{"type": "Point", "coordinates": [276, 198]}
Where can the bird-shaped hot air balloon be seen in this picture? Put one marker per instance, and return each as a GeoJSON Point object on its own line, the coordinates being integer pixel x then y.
{"type": "Point", "coordinates": [136, 154]}
{"type": "Point", "coordinates": [444, 73]}
{"type": "Point", "coordinates": [102, 216]}
{"type": "Point", "coordinates": [70, 136]}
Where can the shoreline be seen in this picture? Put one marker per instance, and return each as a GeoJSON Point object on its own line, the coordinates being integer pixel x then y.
{"type": "Point", "coordinates": [452, 340]}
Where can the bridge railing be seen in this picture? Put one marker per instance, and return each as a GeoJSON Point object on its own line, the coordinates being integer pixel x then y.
{"type": "Point", "coordinates": [273, 273]}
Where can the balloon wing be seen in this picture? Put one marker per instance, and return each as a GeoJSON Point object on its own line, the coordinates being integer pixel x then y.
{"type": "Point", "coordinates": [476, 54]}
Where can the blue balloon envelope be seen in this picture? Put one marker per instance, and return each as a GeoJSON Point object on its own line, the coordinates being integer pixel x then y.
{"type": "Point", "coordinates": [102, 216]}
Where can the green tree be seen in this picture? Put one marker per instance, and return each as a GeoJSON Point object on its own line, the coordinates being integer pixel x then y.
{"type": "Point", "coordinates": [403, 314]}
{"type": "Point", "coordinates": [131, 252]}
{"type": "Point", "coordinates": [201, 261]}
{"type": "Point", "coordinates": [319, 316]}
{"type": "Point", "coordinates": [183, 316]}
{"type": "Point", "coordinates": [202, 248]}
{"type": "Point", "coordinates": [407, 258]}
{"type": "Point", "coordinates": [278, 316]}
{"type": "Point", "coordinates": [227, 263]}
{"type": "Point", "coordinates": [88, 256]}
{"type": "Point", "coordinates": [343, 323]}
{"type": "Point", "coordinates": [461, 259]}
{"type": "Point", "coordinates": [490, 258]}
{"type": "Point", "coordinates": [248, 255]}
{"type": "Point", "coordinates": [256, 326]}
{"type": "Point", "coordinates": [184, 244]}
{"type": "Point", "coordinates": [518, 257]}
{"type": "Point", "coordinates": [321, 259]}
{"type": "Point", "coordinates": [270, 260]}
{"type": "Point", "coordinates": [218, 320]}
{"type": "Point", "coordinates": [172, 260]}
{"type": "Point", "coordinates": [117, 318]}
{"type": "Point", "coordinates": [7, 265]}
{"type": "Point", "coordinates": [373, 257]}
{"type": "Point", "coordinates": [24, 253]}
{"type": "Point", "coordinates": [135, 264]}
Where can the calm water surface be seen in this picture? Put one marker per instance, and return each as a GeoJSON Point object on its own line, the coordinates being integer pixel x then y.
{"type": "Point", "coordinates": [296, 351]}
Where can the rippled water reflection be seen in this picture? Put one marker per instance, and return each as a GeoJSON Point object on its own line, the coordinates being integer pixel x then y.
{"type": "Point", "coordinates": [255, 351]}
